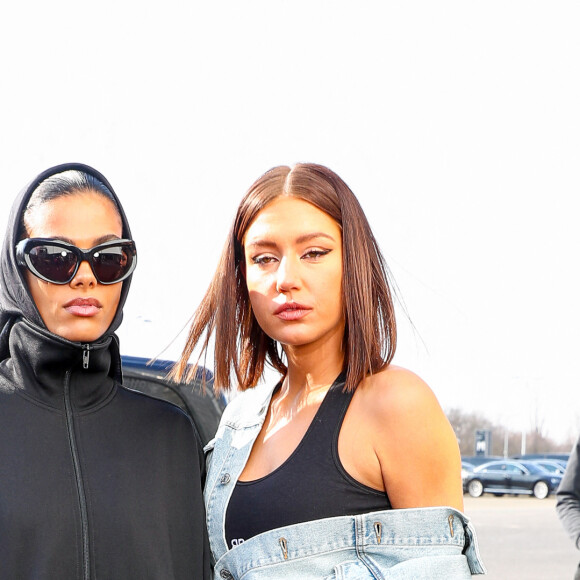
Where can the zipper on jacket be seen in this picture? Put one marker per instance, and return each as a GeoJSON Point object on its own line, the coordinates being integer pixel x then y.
{"type": "Point", "coordinates": [86, 355]}
{"type": "Point", "coordinates": [78, 474]}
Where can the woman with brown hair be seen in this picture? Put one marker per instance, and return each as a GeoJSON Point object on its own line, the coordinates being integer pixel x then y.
{"type": "Point", "coordinates": [330, 472]}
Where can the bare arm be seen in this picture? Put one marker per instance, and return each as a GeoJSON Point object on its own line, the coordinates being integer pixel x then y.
{"type": "Point", "coordinates": [415, 445]}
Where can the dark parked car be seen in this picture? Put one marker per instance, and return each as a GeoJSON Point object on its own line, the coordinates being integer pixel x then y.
{"type": "Point", "coordinates": [466, 470]}
{"type": "Point", "coordinates": [515, 477]}
{"type": "Point", "coordinates": [477, 460]}
{"type": "Point", "coordinates": [203, 406]}
{"type": "Point", "coordinates": [552, 465]}
{"type": "Point", "coordinates": [533, 456]}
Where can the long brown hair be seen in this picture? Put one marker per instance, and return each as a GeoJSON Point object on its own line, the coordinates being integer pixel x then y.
{"type": "Point", "coordinates": [241, 346]}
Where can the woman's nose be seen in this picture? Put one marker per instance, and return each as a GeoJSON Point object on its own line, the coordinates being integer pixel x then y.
{"type": "Point", "coordinates": [286, 276]}
{"type": "Point", "coordinates": [84, 276]}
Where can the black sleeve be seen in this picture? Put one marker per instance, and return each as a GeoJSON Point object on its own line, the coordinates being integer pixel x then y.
{"type": "Point", "coordinates": [205, 562]}
{"type": "Point", "coordinates": [568, 496]}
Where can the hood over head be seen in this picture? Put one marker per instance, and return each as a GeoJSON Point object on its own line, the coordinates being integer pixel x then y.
{"type": "Point", "coordinates": [15, 299]}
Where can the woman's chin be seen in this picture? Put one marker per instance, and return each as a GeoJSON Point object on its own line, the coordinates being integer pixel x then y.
{"type": "Point", "coordinates": [82, 330]}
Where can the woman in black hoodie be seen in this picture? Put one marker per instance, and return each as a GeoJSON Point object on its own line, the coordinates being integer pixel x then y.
{"type": "Point", "coordinates": [96, 481]}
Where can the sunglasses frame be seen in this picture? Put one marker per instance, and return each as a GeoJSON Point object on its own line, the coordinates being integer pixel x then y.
{"type": "Point", "coordinates": [24, 247]}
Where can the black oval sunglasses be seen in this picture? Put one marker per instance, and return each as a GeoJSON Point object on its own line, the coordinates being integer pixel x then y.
{"type": "Point", "coordinates": [57, 261]}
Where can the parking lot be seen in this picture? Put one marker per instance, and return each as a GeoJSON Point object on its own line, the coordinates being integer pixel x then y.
{"type": "Point", "coordinates": [520, 537]}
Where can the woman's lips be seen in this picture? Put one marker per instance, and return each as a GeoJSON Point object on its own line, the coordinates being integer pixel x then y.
{"type": "Point", "coordinates": [83, 307]}
{"type": "Point", "coordinates": [292, 311]}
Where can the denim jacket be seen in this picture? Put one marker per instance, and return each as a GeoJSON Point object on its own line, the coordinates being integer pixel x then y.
{"type": "Point", "coordinates": [427, 543]}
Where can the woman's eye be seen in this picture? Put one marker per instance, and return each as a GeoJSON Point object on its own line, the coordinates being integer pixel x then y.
{"type": "Point", "coordinates": [262, 259]}
{"type": "Point", "coordinates": [314, 254]}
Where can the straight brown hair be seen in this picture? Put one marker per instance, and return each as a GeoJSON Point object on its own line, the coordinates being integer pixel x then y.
{"type": "Point", "coordinates": [241, 346]}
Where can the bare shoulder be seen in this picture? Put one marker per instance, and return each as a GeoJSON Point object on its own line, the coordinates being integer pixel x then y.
{"type": "Point", "coordinates": [413, 441]}
{"type": "Point", "coordinates": [397, 393]}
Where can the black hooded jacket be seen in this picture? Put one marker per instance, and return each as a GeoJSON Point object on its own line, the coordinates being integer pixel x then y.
{"type": "Point", "coordinates": [96, 481]}
{"type": "Point", "coordinates": [568, 494]}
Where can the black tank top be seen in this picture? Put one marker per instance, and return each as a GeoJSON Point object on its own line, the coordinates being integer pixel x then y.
{"type": "Point", "coordinates": [311, 484]}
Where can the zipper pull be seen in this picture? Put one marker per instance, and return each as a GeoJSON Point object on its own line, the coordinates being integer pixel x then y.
{"type": "Point", "coordinates": [86, 354]}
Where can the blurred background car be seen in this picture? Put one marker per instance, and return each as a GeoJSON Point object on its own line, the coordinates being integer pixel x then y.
{"type": "Point", "coordinates": [202, 405]}
{"type": "Point", "coordinates": [513, 477]}
{"type": "Point", "coordinates": [558, 456]}
{"type": "Point", "coordinates": [552, 465]}
{"type": "Point", "coordinates": [466, 469]}
{"type": "Point", "coordinates": [477, 460]}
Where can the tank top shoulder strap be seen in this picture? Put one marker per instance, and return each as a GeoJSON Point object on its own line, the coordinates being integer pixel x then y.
{"type": "Point", "coordinates": [325, 427]}
{"type": "Point", "coordinates": [337, 401]}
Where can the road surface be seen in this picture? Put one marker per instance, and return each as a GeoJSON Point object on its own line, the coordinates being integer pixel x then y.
{"type": "Point", "coordinates": [521, 538]}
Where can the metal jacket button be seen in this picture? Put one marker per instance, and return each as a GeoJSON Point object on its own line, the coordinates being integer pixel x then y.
{"type": "Point", "coordinates": [225, 479]}
{"type": "Point", "coordinates": [226, 574]}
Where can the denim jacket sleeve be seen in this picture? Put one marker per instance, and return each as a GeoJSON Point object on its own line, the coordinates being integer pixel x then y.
{"type": "Point", "coordinates": [568, 496]}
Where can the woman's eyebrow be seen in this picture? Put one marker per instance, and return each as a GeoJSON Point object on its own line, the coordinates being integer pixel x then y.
{"type": "Point", "coordinates": [265, 243]}
{"type": "Point", "coordinates": [106, 238]}
{"type": "Point", "coordinates": [269, 244]}
{"type": "Point", "coordinates": [260, 244]}
{"type": "Point", "coordinates": [97, 241]}
{"type": "Point", "coordinates": [312, 236]}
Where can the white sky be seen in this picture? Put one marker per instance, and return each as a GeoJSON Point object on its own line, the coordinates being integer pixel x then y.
{"type": "Point", "coordinates": [456, 124]}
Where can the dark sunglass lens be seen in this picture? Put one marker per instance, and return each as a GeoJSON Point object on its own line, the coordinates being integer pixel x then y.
{"type": "Point", "coordinates": [111, 264]}
{"type": "Point", "coordinates": [53, 262]}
